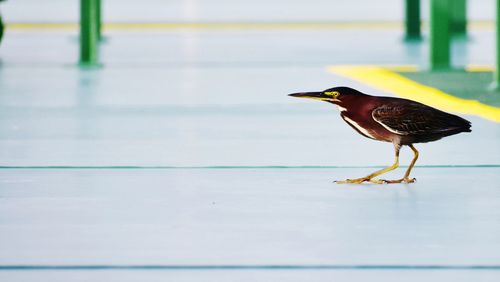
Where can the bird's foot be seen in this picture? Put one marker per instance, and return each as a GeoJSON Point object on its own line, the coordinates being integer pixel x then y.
{"type": "Point", "coordinates": [378, 181]}
{"type": "Point", "coordinates": [352, 181]}
{"type": "Point", "coordinates": [405, 180]}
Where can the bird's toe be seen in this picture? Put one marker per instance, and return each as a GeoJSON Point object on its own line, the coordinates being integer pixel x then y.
{"type": "Point", "coordinates": [352, 181]}
{"type": "Point", "coordinates": [343, 181]}
{"type": "Point", "coordinates": [378, 181]}
{"type": "Point", "coordinates": [410, 180]}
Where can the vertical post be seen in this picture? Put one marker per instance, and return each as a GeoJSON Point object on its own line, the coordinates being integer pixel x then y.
{"type": "Point", "coordinates": [412, 20]}
{"type": "Point", "coordinates": [2, 27]}
{"type": "Point", "coordinates": [496, 75]}
{"type": "Point", "coordinates": [99, 20]}
{"type": "Point", "coordinates": [88, 32]}
{"type": "Point", "coordinates": [440, 34]}
{"type": "Point", "coordinates": [459, 17]}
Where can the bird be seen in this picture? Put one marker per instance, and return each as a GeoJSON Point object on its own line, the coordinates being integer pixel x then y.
{"type": "Point", "coordinates": [402, 122]}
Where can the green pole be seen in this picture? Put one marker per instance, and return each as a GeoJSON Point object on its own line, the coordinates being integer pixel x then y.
{"type": "Point", "coordinates": [412, 20]}
{"type": "Point", "coordinates": [440, 34]}
{"type": "Point", "coordinates": [88, 32]}
{"type": "Point", "coordinates": [99, 20]}
{"type": "Point", "coordinates": [459, 17]}
{"type": "Point", "coordinates": [2, 27]}
{"type": "Point", "coordinates": [496, 75]}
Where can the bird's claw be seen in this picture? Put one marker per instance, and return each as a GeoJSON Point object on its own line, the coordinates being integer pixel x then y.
{"type": "Point", "coordinates": [410, 180]}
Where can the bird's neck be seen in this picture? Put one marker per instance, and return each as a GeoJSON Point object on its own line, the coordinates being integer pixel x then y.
{"type": "Point", "coordinates": [355, 105]}
{"type": "Point", "coordinates": [341, 108]}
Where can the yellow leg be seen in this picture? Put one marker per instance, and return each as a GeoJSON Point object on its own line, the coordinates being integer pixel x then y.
{"type": "Point", "coordinates": [406, 178]}
{"type": "Point", "coordinates": [376, 173]}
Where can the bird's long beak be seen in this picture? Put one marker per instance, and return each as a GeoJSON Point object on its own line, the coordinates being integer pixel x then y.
{"type": "Point", "coordinates": [312, 95]}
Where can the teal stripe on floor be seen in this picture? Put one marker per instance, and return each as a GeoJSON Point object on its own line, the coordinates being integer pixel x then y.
{"type": "Point", "coordinates": [241, 167]}
{"type": "Point", "coordinates": [250, 267]}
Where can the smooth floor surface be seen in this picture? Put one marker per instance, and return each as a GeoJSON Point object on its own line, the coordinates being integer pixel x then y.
{"type": "Point", "coordinates": [149, 221]}
{"type": "Point", "coordinates": [247, 217]}
{"type": "Point", "coordinates": [183, 149]}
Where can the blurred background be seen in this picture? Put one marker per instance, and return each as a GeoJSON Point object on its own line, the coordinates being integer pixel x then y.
{"type": "Point", "coordinates": [167, 145]}
{"type": "Point", "coordinates": [61, 11]}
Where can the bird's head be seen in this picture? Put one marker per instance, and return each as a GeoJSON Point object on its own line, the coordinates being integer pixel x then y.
{"type": "Point", "coordinates": [335, 95]}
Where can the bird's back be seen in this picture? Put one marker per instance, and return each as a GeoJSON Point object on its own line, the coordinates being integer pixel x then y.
{"type": "Point", "coordinates": [416, 122]}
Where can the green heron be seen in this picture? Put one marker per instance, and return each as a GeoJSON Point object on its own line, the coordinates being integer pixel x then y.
{"type": "Point", "coordinates": [395, 120]}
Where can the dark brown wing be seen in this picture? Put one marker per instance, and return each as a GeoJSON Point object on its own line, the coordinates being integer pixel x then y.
{"type": "Point", "coordinates": [407, 117]}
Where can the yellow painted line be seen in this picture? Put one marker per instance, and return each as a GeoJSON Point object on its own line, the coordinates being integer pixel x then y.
{"type": "Point", "coordinates": [402, 68]}
{"type": "Point", "coordinates": [215, 25]}
{"type": "Point", "coordinates": [481, 25]}
{"type": "Point", "coordinates": [37, 26]}
{"type": "Point", "coordinates": [392, 82]}
{"type": "Point", "coordinates": [257, 25]}
{"type": "Point", "coordinates": [369, 25]}
{"type": "Point", "coordinates": [479, 68]}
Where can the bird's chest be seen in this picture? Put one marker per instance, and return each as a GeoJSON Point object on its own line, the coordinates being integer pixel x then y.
{"type": "Point", "coordinates": [366, 126]}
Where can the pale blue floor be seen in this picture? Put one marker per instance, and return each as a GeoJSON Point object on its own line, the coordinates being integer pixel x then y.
{"type": "Point", "coordinates": [248, 217]}
{"type": "Point", "coordinates": [182, 99]}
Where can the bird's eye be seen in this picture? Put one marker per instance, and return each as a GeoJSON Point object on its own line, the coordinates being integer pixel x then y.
{"type": "Point", "coordinates": [334, 94]}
